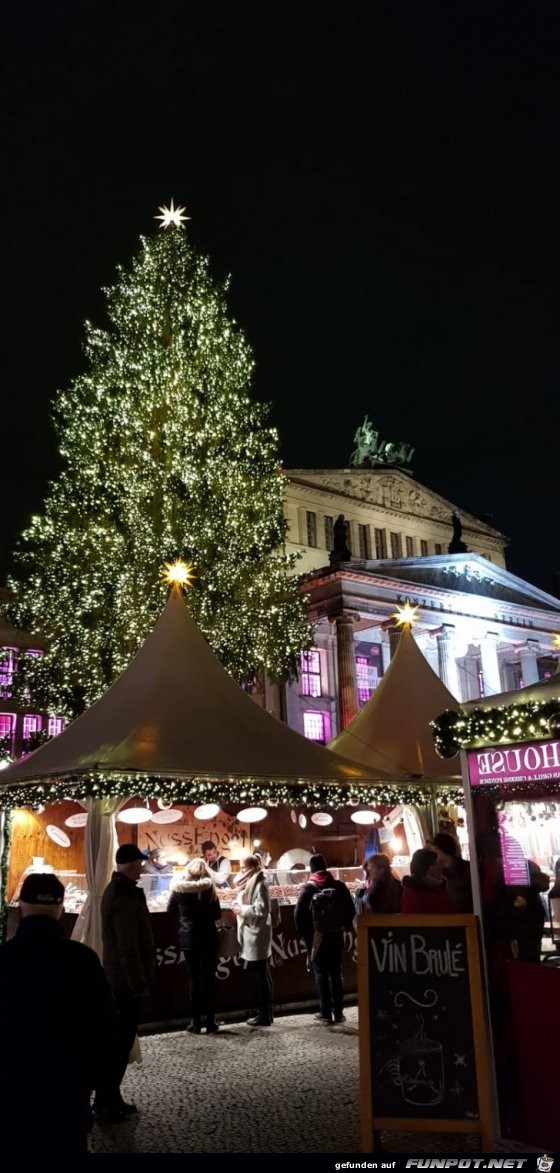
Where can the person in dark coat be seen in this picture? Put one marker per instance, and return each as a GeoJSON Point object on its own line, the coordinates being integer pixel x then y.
{"type": "Point", "coordinates": [384, 891]}
{"type": "Point", "coordinates": [129, 960]}
{"type": "Point", "coordinates": [425, 889]}
{"type": "Point", "coordinates": [57, 1025]}
{"type": "Point", "coordinates": [516, 915]}
{"type": "Point", "coordinates": [194, 900]}
{"type": "Point", "coordinates": [324, 950]}
{"type": "Point", "coordinates": [456, 870]}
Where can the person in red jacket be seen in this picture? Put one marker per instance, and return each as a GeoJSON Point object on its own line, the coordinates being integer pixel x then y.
{"type": "Point", "coordinates": [425, 889]}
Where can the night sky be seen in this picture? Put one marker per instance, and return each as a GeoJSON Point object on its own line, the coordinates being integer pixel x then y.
{"type": "Point", "coordinates": [382, 183]}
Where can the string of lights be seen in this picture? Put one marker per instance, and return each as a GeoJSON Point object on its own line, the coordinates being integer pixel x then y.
{"type": "Point", "coordinates": [164, 454]}
{"type": "Point", "coordinates": [197, 790]}
{"type": "Point", "coordinates": [503, 725]}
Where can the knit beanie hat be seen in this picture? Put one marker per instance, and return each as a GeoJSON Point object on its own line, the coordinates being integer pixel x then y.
{"type": "Point", "coordinates": [446, 843]}
{"type": "Point", "coordinates": [317, 863]}
{"type": "Point", "coordinates": [421, 861]}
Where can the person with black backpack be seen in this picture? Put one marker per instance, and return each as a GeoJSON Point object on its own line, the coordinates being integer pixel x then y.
{"type": "Point", "coordinates": [324, 910]}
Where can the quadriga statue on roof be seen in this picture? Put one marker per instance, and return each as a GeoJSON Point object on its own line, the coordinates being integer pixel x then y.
{"type": "Point", "coordinates": [370, 450]}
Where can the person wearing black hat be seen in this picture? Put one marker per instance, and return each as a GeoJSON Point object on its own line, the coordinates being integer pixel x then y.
{"type": "Point", "coordinates": [56, 1010]}
{"type": "Point", "coordinates": [129, 961]}
{"type": "Point", "coordinates": [325, 947]}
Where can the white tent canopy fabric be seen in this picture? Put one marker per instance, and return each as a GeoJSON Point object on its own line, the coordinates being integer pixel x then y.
{"type": "Point", "coordinates": [176, 712]}
{"type": "Point", "coordinates": [393, 732]}
{"type": "Point", "coordinates": [100, 844]}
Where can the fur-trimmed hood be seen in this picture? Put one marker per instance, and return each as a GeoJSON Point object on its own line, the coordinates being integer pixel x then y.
{"type": "Point", "coordinates": [184, 884]}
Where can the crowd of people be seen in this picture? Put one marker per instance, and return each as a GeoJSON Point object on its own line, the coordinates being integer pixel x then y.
{"type": "Point", "coordinates": [91, 1050]}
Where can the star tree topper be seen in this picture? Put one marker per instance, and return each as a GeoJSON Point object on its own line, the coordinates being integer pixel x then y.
{"type": "Point", "coordinates": [406, 616]}
{"type": "Point", "coordinates": [172, 215]}
{"type": "Point", "coordinates": [178, 573]}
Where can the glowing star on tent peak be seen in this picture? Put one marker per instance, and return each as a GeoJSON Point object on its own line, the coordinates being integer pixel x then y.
{"type": "Point", "coordinates": [406, 616]}
{"type": "Point", "coordinates": [556, 640]}
{"type": "Point", "coordinates": [172, 215]}
{"type": "Point", "coordinates": [178, 573]}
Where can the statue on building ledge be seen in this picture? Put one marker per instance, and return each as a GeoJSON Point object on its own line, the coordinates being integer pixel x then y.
{"type": "Point", "coordinates": [371, 452]}
{"type": "Point", "coordinates": [341, 550]}
{"type": "Point", "coordinates": [456, 545]}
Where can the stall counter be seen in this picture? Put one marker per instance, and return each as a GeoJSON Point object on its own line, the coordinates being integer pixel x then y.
{"type": "Point", "coordinates": [235, 985]}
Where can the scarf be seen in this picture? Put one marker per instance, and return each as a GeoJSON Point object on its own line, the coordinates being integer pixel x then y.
{"type": "Point", "coordinates": [246, 884]}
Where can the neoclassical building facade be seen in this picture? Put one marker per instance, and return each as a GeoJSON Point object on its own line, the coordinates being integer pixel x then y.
{"type": "Point", "coordinates": [482, 629]}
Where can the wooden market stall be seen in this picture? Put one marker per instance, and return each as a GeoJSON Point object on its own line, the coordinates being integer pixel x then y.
{"type": "Point", "coordinates": [175, 729]}
{"type": "Point", "coordinates": [510, 752]}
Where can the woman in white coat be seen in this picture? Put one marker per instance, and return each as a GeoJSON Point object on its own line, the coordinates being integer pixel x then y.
{"type": "Point", "coordinates": [254, 931]}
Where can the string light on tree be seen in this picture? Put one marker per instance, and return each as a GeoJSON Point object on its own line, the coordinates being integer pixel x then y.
{"type": "Point", "coordinates": [163, 450]}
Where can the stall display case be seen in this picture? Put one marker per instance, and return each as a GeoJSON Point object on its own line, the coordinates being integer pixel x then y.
{"type": "Point", "coordinates": [156, 889]}
{"type": "Point", "coordinates": [75, 884]}
{"type": "Point", "coordinates": [285, 886]}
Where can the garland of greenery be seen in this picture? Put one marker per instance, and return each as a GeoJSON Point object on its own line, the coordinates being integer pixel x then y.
{"type": "Point", "coordinates": [249, 792]}
{"type": "Point", "coordinates": [503, 725]}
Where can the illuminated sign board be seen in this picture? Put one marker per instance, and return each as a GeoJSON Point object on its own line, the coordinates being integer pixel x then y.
{"type": "Point", "coordinates": [534, 761]}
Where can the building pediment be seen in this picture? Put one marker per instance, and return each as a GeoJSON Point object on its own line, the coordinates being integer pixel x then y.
{"type": "Point", "coordinates": [470, 574]}
{"type": "Point", "coordinates": [391, 489]}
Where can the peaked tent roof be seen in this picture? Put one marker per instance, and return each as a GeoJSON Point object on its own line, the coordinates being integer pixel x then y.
{"type": "Point", "coordinates": [176, 712]}
{"type": "Point", "coordinates": [392, 732]}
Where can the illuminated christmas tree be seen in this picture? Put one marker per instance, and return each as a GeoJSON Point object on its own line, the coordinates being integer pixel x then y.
{"type": "Point", "coordinates": [165, 455]}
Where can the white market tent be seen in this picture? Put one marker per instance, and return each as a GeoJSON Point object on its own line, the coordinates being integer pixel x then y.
{"type": "Point", "coordinates": [392, 732]}
{"type": "Point", "coordinates": [176, 712]}
{"type": "Point", "coordinates": [173, 713]}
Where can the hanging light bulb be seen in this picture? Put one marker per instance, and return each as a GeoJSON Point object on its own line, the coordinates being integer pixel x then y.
{"type": "Point", "coordinates": [135, 814]}
{"type": "Point", "coordinates": [252, 814]}
{"type": "Point", "coordinates": [365, 818]}
{"type": "Point", "coordinates": [170, 815]}
{"type": "Point", "coordinates": [208, 810]}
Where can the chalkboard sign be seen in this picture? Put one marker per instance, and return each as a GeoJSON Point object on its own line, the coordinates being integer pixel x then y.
{"type": "Point", "coordinates": [422, 1030]}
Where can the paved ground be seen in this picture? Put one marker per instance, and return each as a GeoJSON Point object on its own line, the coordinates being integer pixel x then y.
{"type": "Point", "coordinates": [292, 1088]}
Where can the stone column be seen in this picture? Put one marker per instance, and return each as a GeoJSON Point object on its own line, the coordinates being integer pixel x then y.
{"type": "Point", "coordinates": [490, 663]}
{"type": "Point", "coordinates": [394, 638]}
{"type": "Point", "coordinates": [346, 661]}
{"type": "Point", "coordinates": [528, 658]}
{"type": "Point", "coordinates": [446, 659]}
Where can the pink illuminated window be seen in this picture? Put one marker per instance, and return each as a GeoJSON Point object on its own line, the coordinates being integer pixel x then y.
{"type": "Point", "coordinates": [55, 726]}
{"type": "Point", "coordinates": [317, 727]}
{"type": "Point", "coordinates": [7, 722]}
{"type": "Point", "coordinates": [7, 669]}
{"type": "Point", "coordinates": [310, 674]}
{"type": "Point", "coordinates": [32, 723]}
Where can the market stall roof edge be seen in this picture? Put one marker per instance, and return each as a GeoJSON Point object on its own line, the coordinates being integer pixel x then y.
{"type": "Point", "coordinates": [176, 712]}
